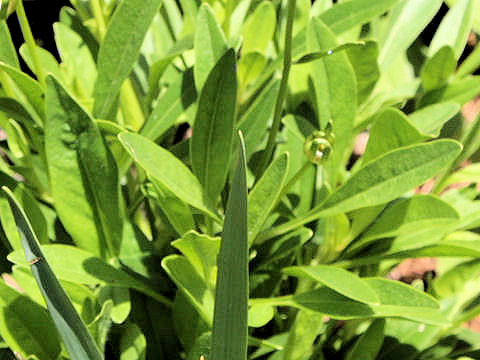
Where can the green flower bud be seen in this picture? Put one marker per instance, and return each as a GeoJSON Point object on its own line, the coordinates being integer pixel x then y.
{"type": "Point", "coordinates": [318, 146]}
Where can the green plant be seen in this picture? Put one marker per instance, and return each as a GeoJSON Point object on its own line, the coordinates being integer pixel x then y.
{"type": "Point", "coordinates": [181, 185]}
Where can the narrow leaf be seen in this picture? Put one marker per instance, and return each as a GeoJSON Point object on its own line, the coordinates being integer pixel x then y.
{"type": "Point", "coordinates": [407, 21]}
{"type": "Point", "coordinates": [345, 16]}
{"type": "Point", "coordinates": [83, 170]}
{"type": "Point", "coordinates": [320, 54]}
{"type": "Point", "coordinates": [431, 119]}
{"type": "Point", "coordinates": [265, 195]}
{"type": "Point", "coordinates": [368, 345]}
{"type": "Point", "coordinates": [70, 326]}
{"type": "Point", "coordinates": [391, 175]}
{"type": "Point", "coordinates": [209, 44]}
{"type": "Point", "coordinates": [229, 337]}
{"type": "Point", "coordinates": [164, 167]}
{"type": "Point", "coordinates": [454, 28]}
{"type": "Point", "coordinates": [120, 49]}
{"type": "Point", "coordinates": [211, 143]}
{"type": "Point", "coordinates": [438, 68]}
{"type": "Point", "coordinates": [342, 281]}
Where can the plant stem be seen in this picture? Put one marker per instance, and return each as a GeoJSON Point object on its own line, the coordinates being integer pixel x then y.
{"type": "Point", "coordinates": [287, 62]}
{"type": "Point", "coordinates": [471, 63]}
{"type": "Point", "coordinates": [99, 18]}
{"type": "Point", "coordinates": [30, 41]}
{"type": "Point", "coordinates": [468, 147]}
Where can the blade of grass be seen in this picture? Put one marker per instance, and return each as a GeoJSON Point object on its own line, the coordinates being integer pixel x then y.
{"type": "Point", "coordinates": [230, 336]}
{"type": "Point", "coordinates": [77, 339]}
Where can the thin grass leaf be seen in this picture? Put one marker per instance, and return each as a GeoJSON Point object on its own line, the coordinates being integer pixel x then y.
{"type": "Point", "coordinates": [230, 336]}
{"type": "Point", "coordinates": [320, 54]}
{"type": "Point", "coordinates": [77, 339]}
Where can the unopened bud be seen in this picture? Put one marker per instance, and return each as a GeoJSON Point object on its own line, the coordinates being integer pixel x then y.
{"type": "Point", "coordinates": [318, 146]}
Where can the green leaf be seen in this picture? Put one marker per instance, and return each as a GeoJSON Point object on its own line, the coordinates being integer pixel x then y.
{"type": "Point", "coordinates": [438, 68]}
{"type": "Point", "coordinates": [72, 330]}
{"type": "Point", "coordinates": [229, 334]}
{"type": "Point", "coordinates": [77, 58]}
{"type": "Point", "coordinates": [460, 91]}
{"type": "Point", "coordinates": [408, 216]}
{"type": "Point", "coordinates": [133, 344]}
{"type": "Point", "coordinates": [265, 195]}
{"type": "Point", "coordinates": [178, 97]}
{"type": "Point", "coordinates": [201, 251]}
{"type": "Point", "coordinates": [454, 29]}
{"type": "Point", "coordinates": [321, 54]}
{"type": "Point", "coordinates": [177, 212]}
{"type": "Point", "coordinates": [82, 170]}
{"type": "Point", "coordinates": [407, 20]}
{"type": "Point", "coordinates": [344, 16]}
{"type": "Point", "coordinates": [250, 67]}
{"type": "Point", "coordinates": [120, 299]}
{"type": "Point", "coordinates": [212, 139]}
{"type": "Point", "coordinates": [431, 119]}
{"type": "Point", "coordinates": [391, 175]}
{"type": "Point", "coordinates": [335, 92]}
{"type": "Point", "coordinates": [254, 122]}
{"type": "Point", "coordinates": [259, 28]}
{"type": "Point", "coordinates": [191, 283]}
{"type": "Point", "coordinates": [100, 326]}
{"type": "Point", "coordinates": [458, 280]}
{"type": "Point", "coordinates": [31, 92]}
{"type": "Point", "coordinates": [369, 343]}
{"type": "Point", "coordinates": [23, 325]}
{"type": "Point", "coordinates": [163, 167]}
{"type": "Point", "coordinates": [364, 61]}
{"type": "Point", "coordinates": [391, 130]}
{"type": "Point", "coordinates": [397, 300]}
{"type": "Point", "coordinates": [259, 315]}
{"type": "Point", "coordinates": [340, 280]}
{"type": "Point", "coordinates": [8, 54]}
{"type": "Point", "coordinates": [120, 49]}
{"type": "Point", "coordinates": [48, 61]}
{"type": "Point", "coordinates": [209, 44]}
{"type": "Point", "coordinates": [81, 267]}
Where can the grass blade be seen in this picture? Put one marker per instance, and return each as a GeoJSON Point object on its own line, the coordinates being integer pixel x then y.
{"type": "Point", "coordinates": [77, 339]}
{"type": "Point", "coordinates": [229, 338]}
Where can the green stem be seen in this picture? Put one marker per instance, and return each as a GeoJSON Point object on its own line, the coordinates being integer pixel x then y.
{"type": "Point", "coordinates": [287, 62]}
{"type": "Point", "coordinates": [310, 216]}
{"type": "Point", "coordinates": [99, 18]}
{"type": "Point", "coordinates": [471, 63]}
{"type": "Point", "coordinates": [30, 41]}
{"type": "Point", "coordinates": [468, 148]}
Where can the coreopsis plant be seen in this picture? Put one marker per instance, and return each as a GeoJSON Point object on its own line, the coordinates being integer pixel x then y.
{"type": "Point", "coordinates": [180, 182]}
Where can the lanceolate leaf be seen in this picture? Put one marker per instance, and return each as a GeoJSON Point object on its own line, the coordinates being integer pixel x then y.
{"type": "Point", "coordinates": [24, 323]}
{"type": "Point", "coordinates": [346, 15]}
{"type": "Point", "coordinates": [407, 21]}
{"type": "Point", "coordinates": [454, 28]}
{"type": "Point", "coordinates": [70, 326]}
{"type": "Point", "coordinates": [391, 175]}
{"type": "Point", "coordinates": [164, 167]}
{"type": "Point", "coordinates": [380, 181]}
{"type": "Point", "coordinates": [83, 174]}
{"type": "Point", "coordinates": [7, 50]}
{"type": "Point", "coordinates": [209, 44]}
{"type": "Point", "coordinates": [342, 281]}
{"type": "Point", "coordinates": [170, 105]}
{"type": "Point", "coordinates": [430, 119]}
{"type": "Point", "coordinates": [265, 195]}
{"type": "Point", "coordinates": [120, 50]}
{"type": "Point", "coordinates": [211, 144]}
{"type": "Point", "coordinates": [229, 337]}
